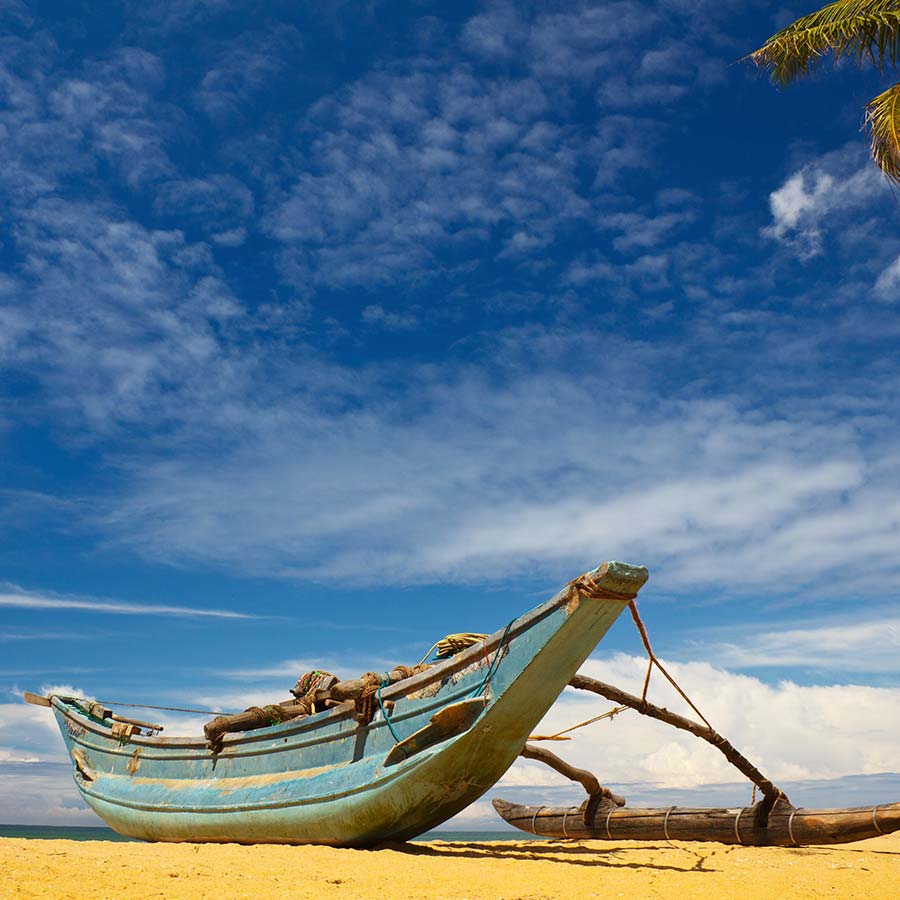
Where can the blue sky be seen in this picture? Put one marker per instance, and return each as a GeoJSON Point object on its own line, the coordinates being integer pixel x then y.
{"type": "Point", "coordinates": [327, 330]}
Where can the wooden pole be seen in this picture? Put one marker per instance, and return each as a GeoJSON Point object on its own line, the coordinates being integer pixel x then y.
{"type": "Point", "coordinates": [586, 779]}
{"type": "Point", "coordinates": [771, 793]}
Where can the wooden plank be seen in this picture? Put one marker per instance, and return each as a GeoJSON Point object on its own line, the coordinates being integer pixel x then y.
{"type": "Point", "coordinates": [35, 699]}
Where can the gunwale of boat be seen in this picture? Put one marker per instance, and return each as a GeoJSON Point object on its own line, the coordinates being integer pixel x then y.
{"type": "Point", "coordinates": [406, 687]}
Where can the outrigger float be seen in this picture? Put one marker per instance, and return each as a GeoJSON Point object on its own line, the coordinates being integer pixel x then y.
{"type": "Point", "coordinates": [388, 757]}
{"type": "Point", "coordinates": [786, 826]}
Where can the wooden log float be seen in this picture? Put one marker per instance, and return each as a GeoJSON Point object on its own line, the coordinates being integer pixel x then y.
{"type": "Point", "coordinates": [787, 826]}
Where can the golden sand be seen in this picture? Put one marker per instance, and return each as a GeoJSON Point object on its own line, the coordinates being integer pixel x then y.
{"type": "Point", "coordinates": [95, 869]}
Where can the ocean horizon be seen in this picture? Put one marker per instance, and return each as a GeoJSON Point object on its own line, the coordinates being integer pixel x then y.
{"type": "Point", "coordinates": [102, 833]}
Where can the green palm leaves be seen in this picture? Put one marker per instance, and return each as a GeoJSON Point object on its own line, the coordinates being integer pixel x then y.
{"type": "Point", "coordinates": [883, 121]}
{"type": "Point", "coordinates": [862, 30]}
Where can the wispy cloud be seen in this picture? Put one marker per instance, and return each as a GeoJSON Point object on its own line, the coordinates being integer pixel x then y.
{"type": "Point", "coordinates": [460, 485]}
{"type": "Point", "coordinates": [33, 601]}
{"type": "Point", "coordinates": [836, 645]}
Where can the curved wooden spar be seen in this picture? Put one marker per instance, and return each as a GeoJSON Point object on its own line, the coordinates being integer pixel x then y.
{"type": "Point", "coordinates": [787, 826]}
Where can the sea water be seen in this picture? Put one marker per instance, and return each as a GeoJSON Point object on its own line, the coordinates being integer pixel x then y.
{"type": "Point", "coordinates": [101, 833]}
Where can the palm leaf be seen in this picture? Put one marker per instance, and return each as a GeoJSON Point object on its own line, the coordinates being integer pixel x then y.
{"type": "Point", "coordinates": [883, 122]}
{"type": "Point", "coordinates": [861, 29]}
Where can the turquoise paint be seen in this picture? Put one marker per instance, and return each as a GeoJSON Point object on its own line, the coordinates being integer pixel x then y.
{"type": "Point", "coordinates": [323, 779]}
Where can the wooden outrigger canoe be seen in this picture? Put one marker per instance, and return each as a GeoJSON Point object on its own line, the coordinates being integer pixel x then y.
{"type": "Point", "coordinates": [328, 779]}
{"type": "Point", "coordinates": [786, 827]}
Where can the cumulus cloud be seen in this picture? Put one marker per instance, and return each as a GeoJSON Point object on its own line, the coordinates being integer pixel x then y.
{"type": "Point", "coordinates": [799, 736]}
{"type": "Point", "coordinates": [812, 200]}
{"type": "Point", "coordinates": [791, 732]}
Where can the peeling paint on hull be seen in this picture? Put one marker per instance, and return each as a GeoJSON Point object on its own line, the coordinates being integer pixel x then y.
{"type": "Point", "coordinates": [323, 779]}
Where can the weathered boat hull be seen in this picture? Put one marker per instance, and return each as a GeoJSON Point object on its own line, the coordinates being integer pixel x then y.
{"type": "Point", "coordinates": [787, 826]}
{"type": "Point", "coordinates": [327, 779]}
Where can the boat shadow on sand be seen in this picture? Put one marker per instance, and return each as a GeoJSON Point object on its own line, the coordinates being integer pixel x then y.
{"type": "Point", "coordinates": [611, 858]}
{"type": "Point", "coordinates": [551, 851]}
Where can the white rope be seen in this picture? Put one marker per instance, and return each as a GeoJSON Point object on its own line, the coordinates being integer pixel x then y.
{"type": "Point", "coordinates": [874, 820]}
{"type": "Point", "coordinates": [608, 835]}
{"type": "Point", "coordinates": [666, 823]}
{"type": "Point", "coordinates": [791, 827]}
{"type": "Point", "coordinates": [737, 826]}
{"type": "Point", "coordinates": [565, 815]}
{"type": "Point", "coordinates": [533, 831]}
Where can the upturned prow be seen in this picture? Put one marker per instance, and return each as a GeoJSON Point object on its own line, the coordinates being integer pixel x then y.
{"type": "Point", "coordinates": [618, 577]}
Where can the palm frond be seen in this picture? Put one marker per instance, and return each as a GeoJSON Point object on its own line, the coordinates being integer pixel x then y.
{"type": "Point", "coordinates": [862, 29]}
{"type": "Point", "coordinates": [883, 122]}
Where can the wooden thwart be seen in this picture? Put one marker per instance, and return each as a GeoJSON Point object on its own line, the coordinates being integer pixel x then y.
{"type": "Point", "coordinates": [259, 717]}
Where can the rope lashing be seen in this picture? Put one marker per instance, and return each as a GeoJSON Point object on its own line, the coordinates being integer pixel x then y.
{"type": "Point", "coordinates": [737, 825]}
{"type": "Point", "coordinates": [385, 681]}
{"type": "Point", "coordinates": [313, 681]}
{"type": "Point", "coordinates": [370, 694]}
{"type": "Point", "coordinates": [452, 644]}
{"type": "Point", "coordinates": [585, 586]}
{"type": "Point", "coordinates": [494, 665]}
{"type": "Point", "coordinates": [666, 823]}
{"type": "Point", "coordinates": [559, 734]}
{"type": "Point", "coordinates": [791, 827]}
{"type": "Point", "coordinates": [654, 661]}
{"type": "Point", "coordinates": [210, 712]}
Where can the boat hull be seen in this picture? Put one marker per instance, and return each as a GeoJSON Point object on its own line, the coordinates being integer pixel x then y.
{"type": "Point", "coordinates": [326, 778]}
{"type": "Point", "coordinates": [787, 826]}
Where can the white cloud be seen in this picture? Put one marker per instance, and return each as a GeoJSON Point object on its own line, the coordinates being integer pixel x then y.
{"type": "Point", "coordinates": [837, 645]}
{"type": "Point", "coordinates": [793, 200]}
{"type": "Point", "coordinates": [887, 285]}
{"type": "Point", "coordinates": [397, 170]}
{"type": "Point", "coordinates": [376, 314]}
{"type": "Point", "coordinates": [243, 68]}
{"type": "Point", "coordinates": [812, 200]}
{"type": "Point", "coordinates": [790, 732]}
{"type": "Point", "coordinates": [32, 601]}
{"type": "Point", "coordinates": [793, 733]}
{"type": "Point", "coordinates": [483, 477]}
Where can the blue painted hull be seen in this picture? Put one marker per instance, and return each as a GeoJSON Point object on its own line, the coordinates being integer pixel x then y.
{"type": "Point", "coordinates": [325, 779]}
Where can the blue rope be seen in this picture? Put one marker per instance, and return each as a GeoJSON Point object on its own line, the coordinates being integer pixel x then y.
{"type": "Point", "coordinates": [492, 668]}
{"type": "Point", "coordinates": [385, 681]}
{"type": "Point", "coordinates": [491, 671]}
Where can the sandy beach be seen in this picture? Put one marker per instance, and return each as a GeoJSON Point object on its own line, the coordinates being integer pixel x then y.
{"type": "Point", "coordinates": [95, 869]}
